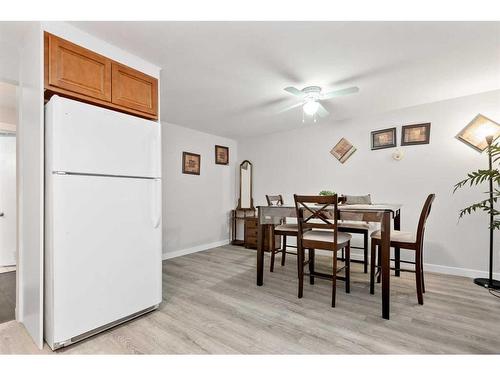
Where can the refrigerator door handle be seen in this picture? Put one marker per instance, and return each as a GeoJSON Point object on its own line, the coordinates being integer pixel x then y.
{"type": "Point", "coordinates": [155, 151]}
{"type": "Point", "coordinates": [156, 203]}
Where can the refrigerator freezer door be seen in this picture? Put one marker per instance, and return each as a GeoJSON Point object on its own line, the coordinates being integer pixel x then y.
{"type": "Point", "coordinates": [82, 138]}
{"type": "Point", "coordinates": [104, 259]}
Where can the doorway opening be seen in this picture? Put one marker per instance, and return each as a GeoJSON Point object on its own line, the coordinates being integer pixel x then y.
{"type": "Point", "coordinates": [8, 203]}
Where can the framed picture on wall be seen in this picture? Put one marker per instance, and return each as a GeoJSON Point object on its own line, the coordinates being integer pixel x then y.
{"type": "Point", "coordinates": [221, 155]}
{"type": "Point", "coordinates": [384, 138]}
{"type": "Point", "coordinates": [343, 150]}
{"type": "Point", "coordinates": [191, 163]}
{"type": "Point", "coordinates": [418, 134]}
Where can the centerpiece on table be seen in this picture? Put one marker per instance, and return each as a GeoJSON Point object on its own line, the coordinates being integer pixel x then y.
{"type": "Point", "coordinates": [326, 192]}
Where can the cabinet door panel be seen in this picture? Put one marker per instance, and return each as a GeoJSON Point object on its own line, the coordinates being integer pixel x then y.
{"type": "Point", "coordinates": [133, 89]}
{"type": "Point", "coordinates": [77, 69]}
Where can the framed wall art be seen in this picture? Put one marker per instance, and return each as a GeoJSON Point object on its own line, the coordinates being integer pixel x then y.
{"type": "Point", "coordinates": [221, 155]}
{"type": "Point", "coordinates": [417, 134]}
{"type": "Point", "coordinates": [191, 163]}
{"type": "Point", "coordinates": [384, 138]}
{"type": "Point", "coordinates": [343, 150]}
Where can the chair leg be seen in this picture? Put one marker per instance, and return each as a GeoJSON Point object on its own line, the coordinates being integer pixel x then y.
{"type": "Point", "coordinates": [311, 266]}
{"type": "Point", "coordinates": [300, 263]}
{"type": "Point", "coordinates": [297, 257]}
{"type": "Point", "coordinates": [372, 266]}
{"type": "Point", "coordinates": [422, 266]}
{"type": "Point", "coordinates": [283, 251]}
{"type": "Point", "coordinates": [379, 262]}
{"type": "Point", "coordinates": [348, 267]}
{"type": "Point", "coordinates": [271, 266]}
{"type": "Point", "coordinates": [418, 278]}
{"type": "Point", "coordinates": [365, 251]}
{"type": "Point", "coordinates": [397, 261]}
{"type": "Point", "coordinates": [334, 278]}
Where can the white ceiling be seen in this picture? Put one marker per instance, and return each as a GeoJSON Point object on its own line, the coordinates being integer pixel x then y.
{"type": "Point", "coordinates": [227, 78]}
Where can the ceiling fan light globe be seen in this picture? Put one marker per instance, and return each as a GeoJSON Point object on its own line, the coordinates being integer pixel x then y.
{"type": "Point", "coordinates": [310, 108]}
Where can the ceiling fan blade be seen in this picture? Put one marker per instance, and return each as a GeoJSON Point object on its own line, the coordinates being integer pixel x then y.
{"type": "Point", "coordinates": [333, 94]}
{"type": "Point", "coordinates": [322, 112]}
{"type": "Point", "coordinates": [294, 91]}
{"type": "Point", "coordinates": [290, 107]}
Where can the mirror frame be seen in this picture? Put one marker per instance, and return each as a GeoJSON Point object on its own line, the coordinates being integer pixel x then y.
{"type": "Point", "coordinates": [251, 208]}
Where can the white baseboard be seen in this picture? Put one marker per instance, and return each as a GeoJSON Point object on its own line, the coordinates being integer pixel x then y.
{"type": "Point", "coordinates": [195, 249]}
{"type": "Point", "coordinates": [445, 270]}
{"type": "Point", "coordinates": [428, 267]}
{"type": "Point", "coordinates": [466, 272]}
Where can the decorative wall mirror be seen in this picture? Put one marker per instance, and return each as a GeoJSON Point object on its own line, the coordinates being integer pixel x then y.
{"type": "Point", "coordinates": [245, 202]}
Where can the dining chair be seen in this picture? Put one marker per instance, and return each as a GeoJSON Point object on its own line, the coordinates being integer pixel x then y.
{"type": "Point", "coordinates": [318, 229]}
{"type": "Point", "coordinates": [404, 240]}
{"type": "Point", "coordinates": [356, 228]}
{"type": "Point", "coordinates": [283, 230]}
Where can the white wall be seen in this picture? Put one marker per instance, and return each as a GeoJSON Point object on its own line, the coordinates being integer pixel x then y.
{"type": "Point", "coordinates": [30, 148]}
{"type": "Point", "coordinates": [299, 161]}
{"type": "Point", "coordinates": [10, 39]}
{"type": "Point", "coordinates": [196, 209]}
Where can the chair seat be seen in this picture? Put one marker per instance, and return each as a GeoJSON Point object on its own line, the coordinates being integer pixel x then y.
{"type": "Point", "coordinates": [326, 236]}
{"type": "Point", "coordinates": [397, 236]}
{"type": "Point", "coordinates": [287, 227]}
{"type": "Point", "coordinates": [353, 225]}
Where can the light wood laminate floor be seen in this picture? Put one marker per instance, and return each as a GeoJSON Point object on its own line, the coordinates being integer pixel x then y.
{"type": "Point", "coordinates": [212, 305]}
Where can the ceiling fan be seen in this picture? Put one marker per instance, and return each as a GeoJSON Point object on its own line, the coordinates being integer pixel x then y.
{"type": "Point", "coordinates": [311, 98]}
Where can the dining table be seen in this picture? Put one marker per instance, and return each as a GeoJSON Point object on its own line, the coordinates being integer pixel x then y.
{"type": "Point", "coordinates": [372, 213]}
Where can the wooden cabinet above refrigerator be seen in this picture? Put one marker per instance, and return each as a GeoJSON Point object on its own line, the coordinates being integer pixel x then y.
{"type": "Point", "coordinates": [78, 73]}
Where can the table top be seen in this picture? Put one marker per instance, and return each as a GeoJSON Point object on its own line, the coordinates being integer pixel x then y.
{"type": "Point", "coordinates": [350, 207]}
{"type": "Point", "coordinates": [356, 212]}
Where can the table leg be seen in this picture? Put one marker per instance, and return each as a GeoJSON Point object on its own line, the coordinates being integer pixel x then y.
{"type": "Point", "coordinates": [385, 244]}
{"type": "Point", "coordinates": [233, 220]}
{"type": "Point", "coordinates": [260, 253]}
{"type": "Point", "coordinates": [397, 252]}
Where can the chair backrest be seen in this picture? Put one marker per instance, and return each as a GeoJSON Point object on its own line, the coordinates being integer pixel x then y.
{"type": "Point", "coordinates": [423, 217]}
{"type": "Point", "coordinates": [274, 200]}
{"type": "Point", "coordinates": [317, 211]}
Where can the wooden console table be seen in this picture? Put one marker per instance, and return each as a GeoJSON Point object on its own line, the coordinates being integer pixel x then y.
{"type": "Point", "coordinates": [250, 230]}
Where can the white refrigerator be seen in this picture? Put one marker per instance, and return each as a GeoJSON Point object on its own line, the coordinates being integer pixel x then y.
{"type": "Point", "coordinates": [102, 219]}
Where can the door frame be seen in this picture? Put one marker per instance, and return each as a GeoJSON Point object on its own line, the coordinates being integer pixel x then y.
{"type": "Point", "coordinates": [30, 184]}
{"type": "Point", "coordinates": [10, 129]}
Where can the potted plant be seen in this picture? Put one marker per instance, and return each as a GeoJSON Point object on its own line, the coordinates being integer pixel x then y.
{"type": "Point", "coordinates": [326, 192]}
{"type": "Point", "coordinates": [492, 176]}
